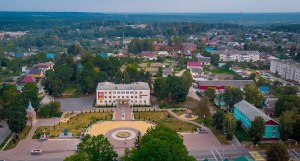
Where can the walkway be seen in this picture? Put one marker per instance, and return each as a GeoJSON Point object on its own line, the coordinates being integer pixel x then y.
{"type": "Point", "coordinates": [123, 113]}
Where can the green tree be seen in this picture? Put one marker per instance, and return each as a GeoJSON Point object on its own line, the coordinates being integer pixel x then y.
{"type": "Point", "coordinates": [177, 89]}
{"type": "Point", "coordinates": [215, 59]}
{"type": "Point", "coordinates": [253, 95]}
{"type": "Point", "coordinates": [287, 102]}
{"type": "Point", "coordinates": [30, 93]}
{"type": "Point", "coordinates": [159, 144]}
{"type": "Point", "coordinates": [218, 119]}
{"type": "Point", "coordinates": [277, 152]}
{"type": "Point", "coordinates": [77, 157]}
{"type": "Point", "coordinates": [210, 93]}
{"type": "Point", "coordinates": [187, 78]}
{"type": "Point", "coordinates": [75, 49]}
{"type": "Point", "coordinates": [53, 85]}
{"type": "Point", "coordinates": [296, 127]}
{"type": "Point", "coordinates": [229, 124]}
{"type": "Point", "coordinates": [286, 124]}
{"type": "Point", "coordinates": [161, 88]}
{"type": "Point", "coordinates": [95, 148]}
{"type": "Point", "coordinates": [16, 118]}
{"type": "Point", "coordinates": [232, 95]}
{"type": "Point", "coordinates": [203, 107]}
{"type": "Point", "coordinates": [257, 129]}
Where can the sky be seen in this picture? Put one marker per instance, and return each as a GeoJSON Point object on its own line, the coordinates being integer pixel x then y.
{"type": "Point", "coordinates": [152, 6]}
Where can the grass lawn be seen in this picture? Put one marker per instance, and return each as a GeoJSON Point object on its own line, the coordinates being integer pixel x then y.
{"type": "Point", "coordinates": [76, 125]}
{"type": "Point", "coordinates": [242, 135]}
{"type": "Point", "coordinates": [23, 134]}
{"type": "Point", "coordinates": [223, 71]}
{"type": "Point", "coordinates": [161, 118]}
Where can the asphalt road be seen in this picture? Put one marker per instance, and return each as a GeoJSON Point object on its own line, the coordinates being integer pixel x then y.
{"type": "Point", "coordinates": [4, 132]}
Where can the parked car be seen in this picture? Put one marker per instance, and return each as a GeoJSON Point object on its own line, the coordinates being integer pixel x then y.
{"type": "Point", "coordinates": [36, 152]}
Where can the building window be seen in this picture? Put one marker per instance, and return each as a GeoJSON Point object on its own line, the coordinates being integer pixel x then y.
{"type": "Point", "coordinates": [141, 92]}
{"type": "Point", "coordinates": [135, 92]}
{"type": "Point", "coordinates": [109, 92]}
{"type": "Point", "coordinates": [118, 96]}
{"type": "Point", "coordinates": [118, 92]}
{"type": "Point", "coordinates": [122, 96]}
{"type": "Point", "coordinates": [127, 92]}
{"type": "Point", "coordinates": [114, 96]}
{"type": "Point", "coordinates": [131, 96]}
{"type": "Point", "coordinates": [135, 96]}
{"type": "Point", "coordinates": [127, 96]}
{"type": "Point", "coordinates": [140, 96]}
{"type": "Point", "coordinates": [131, 92]}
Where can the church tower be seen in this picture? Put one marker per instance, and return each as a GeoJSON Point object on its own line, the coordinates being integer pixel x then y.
{"type": "Point", "coordinates": [31, 114]}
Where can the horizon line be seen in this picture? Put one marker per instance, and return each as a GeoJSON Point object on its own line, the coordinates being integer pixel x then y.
{"type": "Point", "coordinates": [241, 12]}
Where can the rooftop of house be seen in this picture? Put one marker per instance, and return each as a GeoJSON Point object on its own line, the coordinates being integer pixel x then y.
{"type": "Point", "coordinates": [235, 83]}
{"type": "Point", "coordinates": [167, 71]}
{"type": "Point", "coordinates": [28, 79]}
{"type": "Point", "coordinates": [35, 71]}
{"type": "Point", "coordinates": [251, 111]}
{"type": "Point", "coordinates": [235, 52]}
{"type": "Point", "coordinates": [193, 64]}
{"type": "Point", "coordinates": [132, 86]}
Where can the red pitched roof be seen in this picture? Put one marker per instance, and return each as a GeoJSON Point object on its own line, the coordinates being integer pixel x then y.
{"type": "Point", "coordinates": [194, 64]}
{"type": "Point", "coordinates": [28, 79]}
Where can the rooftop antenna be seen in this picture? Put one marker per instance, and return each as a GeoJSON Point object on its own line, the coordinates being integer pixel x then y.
{"type": "Point", "coordinates": [241, 17]}
{"type": "Point", "coordinates": [123, 39]}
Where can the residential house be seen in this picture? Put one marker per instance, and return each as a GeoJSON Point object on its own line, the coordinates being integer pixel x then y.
{"type": "Point", "coordinates": [45, 66]}
{"type": "Point", "coordinates": [189, 46]}
{"type": "Point", "coordinates": [28, 79]}
{"type": "Point", "coordinates": [221, 84]}
{"type": "Point", "coordinates": [149, 55]}
{"type": "Point", "coordinates": [195, 69]}
{"type": "Point", "coordinates": [246, 113]}
{"type": "Point", "coordinates": [36, 73]}
{"type": "Point", "coordinates": [50, 55]}
{"type": "Point", "coordinates": [236, 55]}
{"type": "Point", "coordinates": [286, 68]}
{"type": "Point", "coordinates": [25, 69]}
{"type": "Point", "coordinates": [106, 55]}
{"type": "Point", "coordinates": [162, 53]}
{"type": "Point", "coordinates": [167, 71]}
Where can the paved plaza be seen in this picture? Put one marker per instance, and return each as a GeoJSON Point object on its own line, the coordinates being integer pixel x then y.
{"type": "Point", "coordinates": [77, 104]}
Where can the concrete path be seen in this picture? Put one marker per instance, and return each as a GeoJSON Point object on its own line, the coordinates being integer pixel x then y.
{"type": "Point", "coordinates": [123, 113]}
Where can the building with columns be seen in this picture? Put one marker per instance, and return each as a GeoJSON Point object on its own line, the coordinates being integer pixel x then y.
{"type": "Point", "coordinates": [134, 94]}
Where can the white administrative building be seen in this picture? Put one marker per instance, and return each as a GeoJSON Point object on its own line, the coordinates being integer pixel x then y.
{"type": "Point", "coordinates": [134, 94]}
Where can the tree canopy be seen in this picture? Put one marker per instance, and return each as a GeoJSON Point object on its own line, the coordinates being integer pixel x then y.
{"type": "Point", "coordinates": [159, 144]}
{"type": "Point", "coordinates": [94, 148]}
{"type": "Point", "coordinates": [257, 129]}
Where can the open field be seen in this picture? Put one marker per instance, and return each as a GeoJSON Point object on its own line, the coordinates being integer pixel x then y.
{"type": "Point", "coordinates": [76, 125]}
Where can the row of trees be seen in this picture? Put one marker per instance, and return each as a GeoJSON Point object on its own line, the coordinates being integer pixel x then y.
{"type": "Point", "coordinates": [173, 88]}
{"type": "Point", "coordinates": [88, 72]}
{"type": "Point", "coordinates": [233, 95]}
{"type": "Point", "coordinates": [138, 45]}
